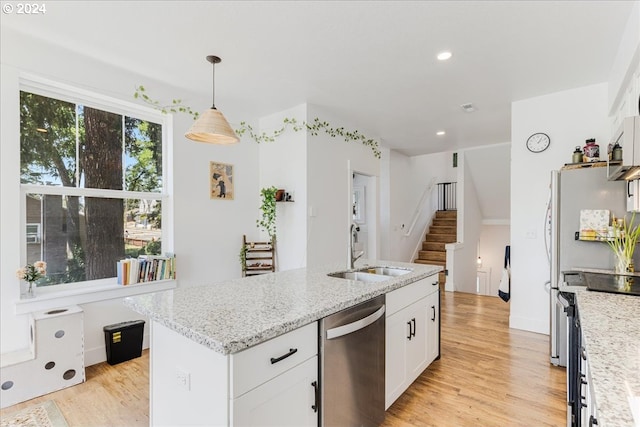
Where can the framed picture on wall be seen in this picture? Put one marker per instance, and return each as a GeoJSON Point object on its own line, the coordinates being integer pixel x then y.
{"type": "Point", "coordinates": [221, 181]}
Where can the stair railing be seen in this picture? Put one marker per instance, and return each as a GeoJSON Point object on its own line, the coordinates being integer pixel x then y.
{"type": "Point", "coordinates": [447, 196]}
{"type": "Point", "coordinates": [427, 194]}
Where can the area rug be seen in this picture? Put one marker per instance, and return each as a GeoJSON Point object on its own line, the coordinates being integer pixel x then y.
{"type": "Point", "coordinates": [45, 414]}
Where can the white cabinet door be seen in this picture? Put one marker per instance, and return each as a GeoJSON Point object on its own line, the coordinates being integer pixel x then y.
{"type": "Point", "coordinates": [286, 400]}
{"type": "Point", "coordinates": [417, 342]}
{"type": "Point", "coordinates": [433, 326]}
{"type": "Point", "coordinates": [412, 340]}
{"type": "Point", "coordinates": [406, 349]}
{"type": "Point", "coordinates": [397, 333]}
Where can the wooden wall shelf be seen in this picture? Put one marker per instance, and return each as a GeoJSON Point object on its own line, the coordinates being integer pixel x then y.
{"type": "Point", "coordinates": [259, 257]}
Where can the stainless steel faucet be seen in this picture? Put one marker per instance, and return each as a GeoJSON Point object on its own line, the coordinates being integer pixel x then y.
{"type": "Point", "coordinates": [353, 239]}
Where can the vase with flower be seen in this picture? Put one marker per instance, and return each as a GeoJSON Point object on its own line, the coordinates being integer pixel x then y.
{"type": "Point", "coordinates": [31, 273]}
{"type": "Point", "coordinates": [623, 243]}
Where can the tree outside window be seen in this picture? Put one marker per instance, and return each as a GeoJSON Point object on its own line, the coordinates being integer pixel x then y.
{"type": "Point", "coordinates": [92, 180]}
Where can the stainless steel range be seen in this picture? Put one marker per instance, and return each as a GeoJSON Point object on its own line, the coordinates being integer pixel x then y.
{"type": "Point", "coordinates": [612, 283]}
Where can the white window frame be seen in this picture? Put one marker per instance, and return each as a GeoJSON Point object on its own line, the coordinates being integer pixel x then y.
{"type": "Point", "coordinates": [102, 289]}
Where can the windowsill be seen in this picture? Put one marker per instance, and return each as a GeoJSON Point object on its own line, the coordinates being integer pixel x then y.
{"type": "Point", "coordinates": [57, 299]}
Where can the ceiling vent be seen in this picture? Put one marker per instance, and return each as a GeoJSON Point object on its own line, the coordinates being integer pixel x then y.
{"type": "Point", "coordinates": [468, 108]}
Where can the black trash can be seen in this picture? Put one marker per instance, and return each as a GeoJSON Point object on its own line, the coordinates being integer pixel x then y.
{"type": "Point", "coordinates": [123, 341]}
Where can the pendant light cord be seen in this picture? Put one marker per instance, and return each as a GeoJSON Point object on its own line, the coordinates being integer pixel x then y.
{"type": "Point", "coordinates": [213, 90]}
{"type": "Point", "coordinates": [214, 60]}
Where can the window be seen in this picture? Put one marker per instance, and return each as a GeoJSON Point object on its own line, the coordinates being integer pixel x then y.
{"type": "Point", "coordinates": [33, 233]}
{"type": "Point", "coordinates": [92, 181]}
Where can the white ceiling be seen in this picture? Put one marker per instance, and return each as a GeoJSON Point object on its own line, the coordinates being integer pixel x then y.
{"type": "Point", "coordinates": [372, 62]}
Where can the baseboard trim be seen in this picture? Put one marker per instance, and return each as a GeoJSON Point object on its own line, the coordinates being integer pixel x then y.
{"type": "Point", "coordinates": [531, 325]}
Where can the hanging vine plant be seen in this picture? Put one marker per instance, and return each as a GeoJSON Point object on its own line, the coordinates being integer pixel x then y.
{"type": "Point", "coordinates": [313, 128]}
{"type": "Point", "coordinates": [176, 105]}
{"type": "Point", "coordinates": [268, 207]}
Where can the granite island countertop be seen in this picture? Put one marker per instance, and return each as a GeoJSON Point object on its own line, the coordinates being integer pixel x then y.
{"type": "Point", "coordinates": [236, 314]}
{"type": "Point", "coordinates": [611, 331]}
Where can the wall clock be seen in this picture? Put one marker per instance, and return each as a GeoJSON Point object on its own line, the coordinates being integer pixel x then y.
{"type": "Point", "coordinates": [538, 142]}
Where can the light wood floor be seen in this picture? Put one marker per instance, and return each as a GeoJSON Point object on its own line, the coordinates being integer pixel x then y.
{"type": "Point", "coordinates": [488, 375]}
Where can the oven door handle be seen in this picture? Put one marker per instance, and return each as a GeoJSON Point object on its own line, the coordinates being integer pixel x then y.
{"type": "Point", "coordinates": [563, 301]}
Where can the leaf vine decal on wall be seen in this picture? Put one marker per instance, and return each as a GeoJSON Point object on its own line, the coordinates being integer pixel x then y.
{"type": "Point", "coordinates": [176, 105]}
{"type": "Point", "coordinates": [313, 128]}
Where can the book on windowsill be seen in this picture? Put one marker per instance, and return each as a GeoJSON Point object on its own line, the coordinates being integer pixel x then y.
{"type": "Point", "coordinates": [146, 268]}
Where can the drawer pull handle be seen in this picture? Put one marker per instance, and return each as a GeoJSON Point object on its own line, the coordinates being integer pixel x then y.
{"type": "Point", "coordinates": [292, 351]}
{"type": "Point", "coordinates": [435, 283]}
{"type": "Point", "coordinates": [315, 391]}
{"type": "Point", "coordinates": [410, 335]}
{"type": "Point", "coordinates": [413, 321]}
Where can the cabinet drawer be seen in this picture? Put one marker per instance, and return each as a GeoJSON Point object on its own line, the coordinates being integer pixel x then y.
{"type": "Point", "coordinates": [257, 365]}
{"type": "Point", "coordinates": [407, 295]}
{"type": "Point", "coordinates": [286, 400]}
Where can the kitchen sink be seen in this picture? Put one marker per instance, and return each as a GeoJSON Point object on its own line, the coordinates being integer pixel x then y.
{"type": "Point", "coordinates": [360, 276]}
{"type": "Point", "coordinates": [386, 271]}
{"type": "Point", "coordinates": [371, 274]}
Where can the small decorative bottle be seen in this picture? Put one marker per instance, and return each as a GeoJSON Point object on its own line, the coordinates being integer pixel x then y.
{"type": "Point", "coordinates": [577, 155]}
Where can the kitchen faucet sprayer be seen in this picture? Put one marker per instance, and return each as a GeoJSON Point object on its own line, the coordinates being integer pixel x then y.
{"type": "Point", "coordinates": [353, 239]}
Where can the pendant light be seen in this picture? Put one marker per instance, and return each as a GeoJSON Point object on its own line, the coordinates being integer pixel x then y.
{"type": "Point", "coordinates": [211, 126]}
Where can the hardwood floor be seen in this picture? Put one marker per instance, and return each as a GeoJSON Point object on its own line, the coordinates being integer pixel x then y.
{"type": "Point", "coordinates": [488, 375]}
{"type": "Point", "coordinates": [112, 396]}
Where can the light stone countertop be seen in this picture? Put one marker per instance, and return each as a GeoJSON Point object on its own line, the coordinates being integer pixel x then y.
{"type": "Point", "coordinates": [236, 314]}
{"type": "Point", "coordinates": [611, 331]}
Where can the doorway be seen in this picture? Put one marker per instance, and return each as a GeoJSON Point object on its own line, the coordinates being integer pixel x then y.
{"type": "Point", "coordinates": [364, 213]}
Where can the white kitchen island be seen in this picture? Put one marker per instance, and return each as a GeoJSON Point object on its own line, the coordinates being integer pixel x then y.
{"type": "Point", "coordinates": [213, 346]}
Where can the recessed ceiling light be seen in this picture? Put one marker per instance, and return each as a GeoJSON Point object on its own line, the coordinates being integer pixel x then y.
{"type": "Point", "coordinates": [443, 56]}
{"type": "Point", "coordinates": [440, 133]}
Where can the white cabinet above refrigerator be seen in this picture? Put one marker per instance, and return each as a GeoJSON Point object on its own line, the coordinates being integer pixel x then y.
{"type": "Point", "coordinates": [628, 137]}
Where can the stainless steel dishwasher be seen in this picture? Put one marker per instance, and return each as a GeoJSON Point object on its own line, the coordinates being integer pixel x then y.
{"type": "Point", "coordinates": [352, 366]}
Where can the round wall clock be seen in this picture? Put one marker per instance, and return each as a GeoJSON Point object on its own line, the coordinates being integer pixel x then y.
{"type": "Point", "coordinates": [538, 142]}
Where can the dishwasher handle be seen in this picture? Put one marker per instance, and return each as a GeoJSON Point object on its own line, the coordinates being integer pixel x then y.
{"type": "Point", "coordinates": [355, 326]}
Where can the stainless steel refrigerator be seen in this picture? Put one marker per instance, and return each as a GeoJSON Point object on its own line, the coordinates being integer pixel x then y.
{"type": "Point", "coordinates": [571, 191]}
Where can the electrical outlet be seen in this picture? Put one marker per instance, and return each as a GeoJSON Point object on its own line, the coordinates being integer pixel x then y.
{"type": "Point", "coordinates": [183, 379]}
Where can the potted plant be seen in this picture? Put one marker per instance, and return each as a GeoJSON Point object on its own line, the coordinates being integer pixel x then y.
{"type": "Point", "coordinates": [243, 257]}
{"type": "Point", "coordinates": [623, 243]}
{"type": "Point", "coordinates": [268, 207]}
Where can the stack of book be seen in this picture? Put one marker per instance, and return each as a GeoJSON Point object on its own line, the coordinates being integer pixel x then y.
{"type": "Point", "coordinates": [146, 268]}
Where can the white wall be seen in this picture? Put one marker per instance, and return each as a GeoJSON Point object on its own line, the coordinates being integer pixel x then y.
{"type": "Point", "coordinates": [463, 272]}
{"type": "Point", "coordinates": [493, 239]}
{"type": "Point", "coordinates": [569, 118]}
{"type": "Point", "coordinates": [207, 233]}
{"type": "Point", "coordinates": [489, 168]}
{"type": "Point", "coordinates": [328, 188]}
{"type": "Point", "coordinates": [283, 164]}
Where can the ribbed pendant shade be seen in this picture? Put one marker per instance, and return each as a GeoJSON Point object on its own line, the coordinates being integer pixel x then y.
{"type": "Point", "coordinates": [213, 128]}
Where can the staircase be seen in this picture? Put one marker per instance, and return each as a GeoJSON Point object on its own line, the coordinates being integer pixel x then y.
{"type": "Point", "coordinates": [442, 231]}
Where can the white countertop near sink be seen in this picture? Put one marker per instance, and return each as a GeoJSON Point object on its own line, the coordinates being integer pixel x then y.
{"type": "Point", "coordinates": [611, 330]}
{"type": "Point", "coordinates": [236, 314]}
